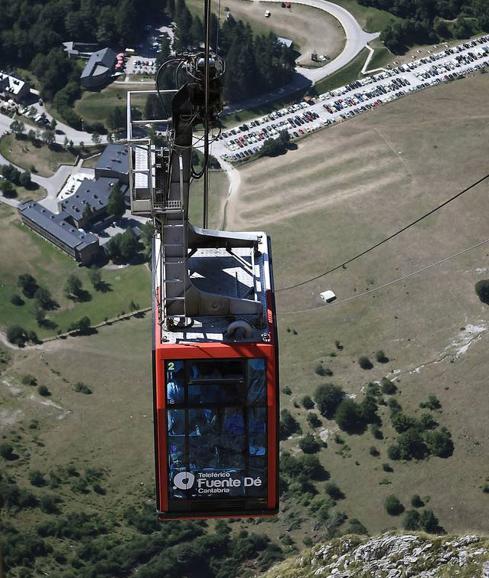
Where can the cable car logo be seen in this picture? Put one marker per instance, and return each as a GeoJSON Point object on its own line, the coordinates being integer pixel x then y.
{"type": "Point", "coordinates": [184, 480]}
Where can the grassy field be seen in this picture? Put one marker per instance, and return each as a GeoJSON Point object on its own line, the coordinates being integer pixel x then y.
{"type": "Point", "coordinates": [96, 106]}
{"type": "Point", "coordinates": [26, 155]}
{"type": "Point", "coordinates": [51, 267]}
{"type": "Point", "coordinates": [218, 188]}
{"type": "Point", "coordinates": [371, 19]}
{"type": "Point", "coordinates": [309, 28]}
{"type": "Point", "coordinates": [342, 190]}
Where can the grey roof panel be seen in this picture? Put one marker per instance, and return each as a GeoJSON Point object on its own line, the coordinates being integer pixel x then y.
{"type": "Point", "coordinates": [114, 158]}
{"type": "Point", "coordinates": [105, 58]}
{"type": "Point", "coordinates": [55, 225]}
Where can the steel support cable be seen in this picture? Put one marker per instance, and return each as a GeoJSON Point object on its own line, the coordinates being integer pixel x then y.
{"type": "Point", "coordinates": [207, 27]}
{"type": "Point", "coordinates": [383, 241]}
{"type": "Point", "coordinates": [389, 283]}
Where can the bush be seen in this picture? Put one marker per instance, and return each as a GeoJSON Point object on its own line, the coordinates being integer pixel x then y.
{"type": "Point", "coordinates": [81, 387]}
{"type": "Point", "coordinates": [287, 390]}
{"type": "Point", "coordinates": [482, 290]}
{"type": "Point", "coordinates": [432, 403]}
{"type": "Point", "coordinates": [16, 300]}
{"type": "Point", "coordinates": [429, 523]}
{"type": "Point", "coordinates": [288, 424]}
{"type": "Point", "coordinates": [387, 468]}
{"type": "Point", "coordinates": [309, 444]}
{"type": "Point", "coordinates": [416, 501]}
{"type": "Point", "coordinates": [82, 326]}
{"type": "Point", "coordinates": [8, 189]}
{"type": "Point", "coordinates": [402, 422]}
{"type": "Point", "coordinates": [307, 402]}
{"type": "Point", "coordinates": [393, 506]}
{"type": "Point", "coordinates": [17, 335]}
{"type": "Point", "coordinates": [381, 357]}
{"type": "Point", "coordinates": [364, 362]}
{"type": "Point", "coordinates": [28, 284]}
{"type": "Point", "coordinates": [440, 443]}
{"type": "Point", "coordinates": [43, 390]}
{"type": "Point", "coordinates": [411, 520]}
{"type": "Point", "coordinates": [37, 479]}
{"type": "Point", "coordinates": [373, 451]}
{"type": "Point", "coordinates": [334, 491]}
{"type": "Point", "coordinates": [394, 452]}
{"type": "Point", "coordinates": [388, 388]}
{"type": "Point", "coordinates": [376, 432]}
{"type": "Point", "coordinates": [313, 420]}
{"type": "Point", "coordinates": [7, 452]}
{"type": "Point", "coordinates": [328, 397]}
{"type": "Point", "coordinates": [349, 416]}
{"type": "Point", "coordinates": [29, 379]}
{"type": "Point", "coordinates": [323, 371]}
{"type": "Point", "coordinates": [356, 527]}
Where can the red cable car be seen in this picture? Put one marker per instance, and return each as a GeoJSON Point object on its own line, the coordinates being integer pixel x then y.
{"type": "Point", "coordinates": [216, 393]}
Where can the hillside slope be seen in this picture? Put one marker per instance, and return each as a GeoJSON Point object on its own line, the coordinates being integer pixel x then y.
{"type": "Point", "coordinates": [390, 555]}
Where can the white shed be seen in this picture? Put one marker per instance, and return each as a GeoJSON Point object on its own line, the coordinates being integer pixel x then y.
{"type": "Point", "coordinates": [328, 296]}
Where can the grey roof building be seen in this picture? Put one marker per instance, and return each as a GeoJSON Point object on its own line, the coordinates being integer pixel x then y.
{"type": "Point", "coordinates": [114, 163]}
{"type": "Point", "coordinates": [99, 68]}
{"type": "Point", "coordinates": [55, 228]}
{"type": "Point", "coordinates": [12, 87]}
{"type": "Point", "coordinates": [89, 202]}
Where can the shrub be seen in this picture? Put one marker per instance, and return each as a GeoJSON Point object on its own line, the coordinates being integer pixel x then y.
{"type": "Point", "coordinates": [376, 431]}
{"type": "Point", "coordinates": [287, 390]}
{"type": "Point", "coordinates": [288, 424]}
{"type": "Point", "coordinates": [356, 527]}
{"type": "Point", "coordinates": [394, 452]}
{"type": "Point", "coordinates": [328, 397]}
{"type": "Point", "coordinates": [313, 420]}
{"type": "Point", "coordinates": [364, 362]}
{"type": "Point", "coordinates": [307, 402]}
{"type": "Point", "coordinates": [17, 335]}
{"type": "Point", "coordinates": [81, 387]}
{"type": "Point", "coordinates": [393, 506]}
{"type": "Point", "coordinates": [388, 387]}
{"type": "Point", "coordinates": [28, 284]}
{"type": "Point", "coordinates": [402, 422]}
{"type": "Point", "coordinates": [349, 416]}
{"type": "Point", "coordinates": [482, 290]}
{"type": "Point", "coordinates": [429, 523]}
{"type": "Point", "coordinates": [16, 300]}
{"type": "Point", "coordinates": [309, 444]}
{"type": "Point", "coordinates": [416, 501]}
{"type": "Point", "coordinates": [411, 520]}
{"type": "Point", "coordinates": [43, 390]}
{"type": "Point", "coordinates": [36, 478]}
{"type": "Point", "coordinates": [440, 443]}
{"type": "Point", "coordinates": [394, 405]}
{"type": "Point", "coordinates": [381, 357]}
{"type": "Point", "coordinates": [29, 379]}
{"type": "Point", "coordinates": [307, 541]}
{"type": "Point", "coordinates": [432, 403]}
{"type": "Point", "coordinates": [323, 371]}
{"type": "Point", "coordinates": [485, 488]}
{"type": "Point", "coordinates": [82, 326]}
{"type": "Point", "coordinates": [334, 491]}
{"type": "Point", "coordinates": [374, 451]}
{"type": "Point", "coordinates": [387, 468]}
{"type": "Point", "coordinates": [7, 451]}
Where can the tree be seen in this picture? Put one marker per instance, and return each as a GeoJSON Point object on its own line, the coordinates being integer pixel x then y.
{"type": "Point", "coordinates": [48, 137]}
{"type": "Point", "coordinates": [17, 127]}
{"type": "Point", "coordinates": [123, 247]}
{"type": "Point", "coordinates": [482, 290]}
{"type": "Point", "coordinates": [430, 523]}
{"type": "Point", "coordinates": [36, 478]}
{"type": "Point", "coordinates": [381, 357]}
{"type": "Point", "coordinates": [388, 387]}
{"type": "Point", "coordinates": [82, 326]}
{"type": "Point", "coordinates": [73, 287]}
{"type": "Point", "coordinates": [17, 335]}
{"type": "Point", "coordinates": [95, 278]}
{"type": "Point", "coordinates": [440, 443]}
{"type": "Point", "coordinates": [309, 445]}
{"type": "Point", "coordinates": [307, 402]}
{"type": "Point", "coordinates": [116, 118]}
{"type": "Point", "coordinates": [25, 179]}
{"type": "Point", "coordinates": [96, 138]}
{"type": "Point", "coordinates": [43, 390]}
{"type": "Point", "coordinates": [16, 300]}
{"type": "Point", "coordinates": [8, 189]}
{"type": "Point", "coordinates": [313, 420]}
{"type": "Point", "coordinates": [416, 501]}
{"type": "Point", "coordinates": [432, 403]}
{"type": "Point", "coordinates": [411, 520]}
{"type": "Point", "coordinates": [116, 205]}
{"type": "Point", "coordinates": [328, 397]}
{"type": "Point", "coordinates": [44, 298]}
{"type": "Point", "coordinates": [411, 445]}
{"type": "Point", "coordinates": [349, 416]}
{"type": "Point", "coordinates": [393, 506]}
{"type": "Point", "coordinates": [364, 362]}
{"type": "Point", "coordinates": [288, 424]}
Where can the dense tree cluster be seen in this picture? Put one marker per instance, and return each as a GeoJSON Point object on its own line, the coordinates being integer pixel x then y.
{"type": "Point", "coordinates": [429, 21]}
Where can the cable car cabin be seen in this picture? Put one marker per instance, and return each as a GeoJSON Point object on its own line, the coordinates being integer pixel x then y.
{"type": "Point", "coordinates": [215, 377]}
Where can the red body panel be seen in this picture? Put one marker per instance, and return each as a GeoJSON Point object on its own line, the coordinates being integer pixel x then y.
{"type": "Point", "coordinates": [216, 351]}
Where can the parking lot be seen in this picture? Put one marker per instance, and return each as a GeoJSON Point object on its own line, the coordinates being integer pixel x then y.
{"type": "Point", "coordinates": [359, 96]}
{"type": "Point", "coordinates": [137, 65]}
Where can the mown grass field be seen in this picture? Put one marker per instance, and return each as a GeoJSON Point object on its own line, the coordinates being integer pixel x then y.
{"type": "Point", "coordinates": [26, 155]}
{"type": "Point", "coordinates": [342, 190]}
{"type": "Point", "coordinates": [26, 252]}
{"type": "Point", "coordinates": [97, 106]}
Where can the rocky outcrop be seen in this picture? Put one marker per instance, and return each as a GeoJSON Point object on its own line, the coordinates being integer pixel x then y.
{"type": "Point", "coordinates": [391, 556]}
